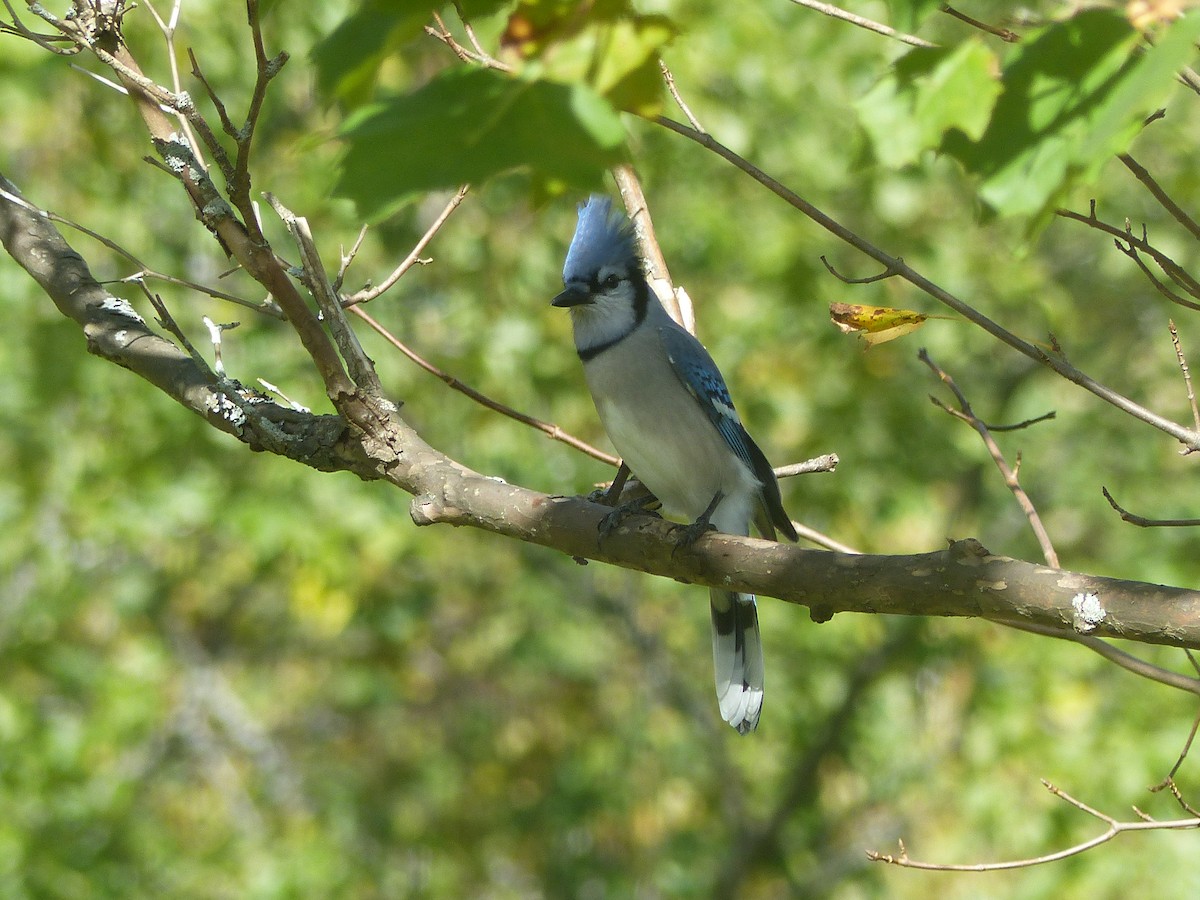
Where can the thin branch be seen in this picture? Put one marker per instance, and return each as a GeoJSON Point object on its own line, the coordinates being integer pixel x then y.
{"type": "Point", "coordinates": [1115, 827]}
{"type": "Point", "coordinates": [486, 58]}
{"type": "Point", "coordinates": [414, 257]}
{"type": "Point", "coordinates": [1115, 655]}
{"type": "Point", "coordinates": [1004, 34]}
{"type": "Point", "coordinates": [1188, 437]}
{"type": "Point", "coordinates": [145, 271]}
{"type": "Point", "coordinates": [167, 27]}
{"type": "Point", "coordinates": [1187, 374]}
{"type": "Point", "coordinates": [1009, 474]}
{"type": "Point", "coordinates": [265, 70]}
{"type": "Point", "coordinates": [1142, 521]}
{"type": "Point", "coordinates": [836, 13]}
{"type": "Point", "coordinates": [1172, 269]}
{"type": "Point", "coordinates": [546, 428]}
{"type": "Point", "coordinates": [361, 369]}
{"type": "Point", "coordinates": [1187, 747]}
{"type": "Point", "coordinates": [1132, 252]}
{"type": "Point", "coordinates": [674, 92]}
{"type": "Point", "coordinates": [1164, 199]}
{"type": "Point", "coordinates": [347, 258]}
{"type": "Point", "coordinates": [45, 41]}
{"type": "Point", "coordinates": [482, 58]}
{"type": "Point", "coordinates": [1044, 417]}
{"type": "Point", "coordinates": [889, 272]}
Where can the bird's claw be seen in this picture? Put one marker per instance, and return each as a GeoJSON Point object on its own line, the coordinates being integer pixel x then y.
{"type": "Point", "coordinates": [614, 519]}
{"type": "Point", "coordinates": [686, 535]}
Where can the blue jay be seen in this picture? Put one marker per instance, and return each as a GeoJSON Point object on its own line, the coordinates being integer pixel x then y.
{"type": "Point", "coordinates": [667, 411]}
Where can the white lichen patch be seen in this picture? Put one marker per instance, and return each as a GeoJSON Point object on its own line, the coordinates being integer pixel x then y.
{"type": "Point", "coordinates": [121, 307]}
{"type": "Point", "coordinates": [1088, 612]}
{"type": "Point", "coordinates": [227, 410]}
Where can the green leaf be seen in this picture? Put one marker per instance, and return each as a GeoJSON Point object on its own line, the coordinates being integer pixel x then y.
{"type": "Point", "coordinates": [906, 15]}
{"type": "Point", "coordinates": [1075, 94]}
{"type": "Point", "coordinates": [467, 125]}
{"type": "Point", "coordinates": [927, 94]}
{"type": "Point", "coordinates": [348, 59]}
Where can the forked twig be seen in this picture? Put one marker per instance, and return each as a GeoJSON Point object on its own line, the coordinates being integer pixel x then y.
{"type": "Point", "coordinates": [366, 295]}
{"type": "Point", "coordinates": [966, 414]}
{"type": "Point", "coordinates": [1115, 827]}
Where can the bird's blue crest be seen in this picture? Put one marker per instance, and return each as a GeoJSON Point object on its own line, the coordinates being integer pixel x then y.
{"type": "Point", "coordinates": [603, 237]}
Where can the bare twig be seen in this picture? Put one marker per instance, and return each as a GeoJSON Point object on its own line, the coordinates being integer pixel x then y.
{"type": "Point", "coordinates": [45, 41]}
{"type": "Point", "coordinates": [836, 13]}
{"type": "Point", "coordinates": [1142, 521]}
{"type": "Point", "coordinates": [1186, 436]}
{"type": "Point", "coordinates": [414, 257]}
{"type": "Point", "coordinates": [267, 306]}
{"type": "Point", "coordinates": [547, 428]}
{"type": "Point", "coordinates": [1132, 252]}
{"type": "Point", "coordinates": [1004, 34]}
{"type": "Point", "coordinates": [1187, 747]}
{"type": "Point", "coordinates": [889, 272]}
{"type": "Point", "coordinates": [167, 321]}
{"type": "Point", "coordinates": [1173, 788]}
{"type": "Point", "coordinates": [1115, 827]}
{"type": "Point", "coordinates": [679, 101]}
{"type": "Point", "coordinates": [1187, 374]}
{"type": "Point", "coordinates": [479, 57]}
{"type": "Point", "coordinates": [1164, 199]}
{"type": "Point", "coordinates": [966, 414]}
{"type": "Point", "coordinates": [1044, 417]}
{"type": "Point", "coordinates": [1172, 269]}
{"type": "Point", "coordinates": [1119, 657]}
{"type": "Point", "coordinates": [167, 27]}
{"type": "Point", "coordinates": [347, 258]}
{"type": "Point", "coordinates": [359, 365]}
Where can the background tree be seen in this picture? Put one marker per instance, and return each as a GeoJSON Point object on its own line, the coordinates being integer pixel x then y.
{"type": "Point", "coordinates": [231, 675]}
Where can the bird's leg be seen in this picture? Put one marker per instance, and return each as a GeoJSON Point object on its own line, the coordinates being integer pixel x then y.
{"type": "Point", "coordinates": [689, 534]}
{"type": "Point", "coordinates": [611, 494]}
{"type": "Point", "coordinates": [613, 520]}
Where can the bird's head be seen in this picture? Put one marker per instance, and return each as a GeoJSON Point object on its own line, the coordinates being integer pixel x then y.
{"type": "Point", "coordinates": [602, 270]}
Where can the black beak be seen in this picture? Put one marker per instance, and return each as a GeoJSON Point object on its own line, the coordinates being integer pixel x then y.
{"type": "Point", "coordinates": [574, 295]}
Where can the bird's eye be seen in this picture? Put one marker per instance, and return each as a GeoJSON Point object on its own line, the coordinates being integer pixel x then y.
{"type": "Point", "coordinates": [611, 281]}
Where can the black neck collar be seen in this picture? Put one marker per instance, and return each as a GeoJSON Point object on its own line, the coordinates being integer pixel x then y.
{"type": "Point", "coordinates": [641, 303]}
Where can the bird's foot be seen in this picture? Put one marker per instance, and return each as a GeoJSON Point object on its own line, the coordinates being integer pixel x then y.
{"type": "Point", "coordinates": [617, 517]}
{"type": "Point", "coordinates": [686, 535]}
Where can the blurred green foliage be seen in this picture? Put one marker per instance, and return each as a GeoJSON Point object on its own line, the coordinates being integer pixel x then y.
{"type": "Point", "coordinates": [224, 675]}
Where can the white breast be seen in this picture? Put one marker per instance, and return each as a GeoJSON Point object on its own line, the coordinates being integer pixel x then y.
{"type": "Point", "coordinates": [665, 437]}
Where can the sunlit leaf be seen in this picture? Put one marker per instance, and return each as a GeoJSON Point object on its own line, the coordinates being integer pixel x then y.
{"type": "Point", "coordinates": [928, 93]}
{"type": "Point", "coordinates": [1075, 93]}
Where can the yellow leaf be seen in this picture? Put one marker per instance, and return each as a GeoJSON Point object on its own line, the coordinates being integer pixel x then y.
{"type": "Point", "coordinates": [875, 324]}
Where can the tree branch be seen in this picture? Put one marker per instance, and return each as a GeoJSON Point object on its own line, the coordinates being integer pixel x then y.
{"type": "Point", "coordinates": [1186, 436]}
{"type": "Point", "coordinates": [961, 580]}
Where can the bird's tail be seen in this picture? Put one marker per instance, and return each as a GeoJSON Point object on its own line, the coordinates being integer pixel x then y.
{"type": "Point", "coordinates": [737, 658]}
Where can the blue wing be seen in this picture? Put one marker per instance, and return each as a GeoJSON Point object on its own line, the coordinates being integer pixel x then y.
{"type": "Point", "coordinates": [700, 375]}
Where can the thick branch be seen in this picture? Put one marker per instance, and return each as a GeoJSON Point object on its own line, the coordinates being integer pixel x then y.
{"type": "Point", "coordinates": [962, 580]}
